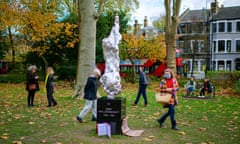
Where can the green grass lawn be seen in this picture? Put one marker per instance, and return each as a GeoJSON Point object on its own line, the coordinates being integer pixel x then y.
{"type": "Point", "coordinates": [213, 121]}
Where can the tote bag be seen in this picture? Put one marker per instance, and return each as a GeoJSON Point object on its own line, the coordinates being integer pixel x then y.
{"type": "Point", "coordinates": [163, 98]}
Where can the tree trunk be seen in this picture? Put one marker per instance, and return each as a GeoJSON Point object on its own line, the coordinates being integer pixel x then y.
{"type": "Point", "coordinates": [133, 72]}
{"type": "Point", "coordinates": [171, 30]}
{"type": "Point", "coordinates": [45, 64]}
{"type": "Point", "coordinates": [86, 52]}
{"type": "Point", "coordinates": [12, 46]}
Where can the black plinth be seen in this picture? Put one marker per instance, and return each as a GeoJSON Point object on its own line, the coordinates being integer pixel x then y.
{"type": "Point", "coordinates": [111, 111]}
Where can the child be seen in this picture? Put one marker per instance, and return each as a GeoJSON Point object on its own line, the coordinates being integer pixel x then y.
{"type": "Point", "coordinates": [49, 87]}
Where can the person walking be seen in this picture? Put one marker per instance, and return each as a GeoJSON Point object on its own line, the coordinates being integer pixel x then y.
{"type": "Point", "coordinates": [49, 87]}
{"type": "Point", "coordinates": [143, 83]}
{"type": "Point", "coordinates": [31, 84]}
{"type": "Point", "coordinates": [169, 85]}
{"type": "Point", "coordinates": [90, 96]}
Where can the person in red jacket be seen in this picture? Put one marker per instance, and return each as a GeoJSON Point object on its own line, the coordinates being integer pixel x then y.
{"type": "Point", "coordinates": [169, 85]}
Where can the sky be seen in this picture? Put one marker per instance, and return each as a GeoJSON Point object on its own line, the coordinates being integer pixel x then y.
{"type": "Point", "coordinates": [154, 8]}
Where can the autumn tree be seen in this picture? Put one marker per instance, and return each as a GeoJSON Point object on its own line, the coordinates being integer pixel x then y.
{"type": "Point", "coordinates": [9, 13]}
{"type": "Point", "coordinates": [89, 12]}
{"type": "Point", "coordinates": [40, 27]}
{"type": "Point", "coordinates": [138, 47]}
{"type": "Point", "coordinates": [172, 8]}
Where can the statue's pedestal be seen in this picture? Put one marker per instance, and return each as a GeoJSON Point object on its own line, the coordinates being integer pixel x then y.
{"type": "Point", "coordinates": [111, 111]}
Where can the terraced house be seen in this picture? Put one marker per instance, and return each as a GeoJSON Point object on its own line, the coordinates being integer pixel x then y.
{"type": "Point", "coordinates": [210, 39]}
{"type": "Point", "coordinates": [225, 38]}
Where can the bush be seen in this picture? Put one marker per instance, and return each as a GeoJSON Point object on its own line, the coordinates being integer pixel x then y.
{"type": "Point", "coordinates": [236, 86]}
{"type": "Point", "coordinates": [18, 76]}
{"type": "Point", "coordinates": [14, 76]}
{"type": "Point", "coordinates": [66, 73]}
{"type": "Point", "coordinates": [223, 79]}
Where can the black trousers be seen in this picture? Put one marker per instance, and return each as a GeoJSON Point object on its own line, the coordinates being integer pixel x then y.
{"type": "Point", "coordinates": [50, 98]}
{"type": "Point", "coordinates": [30, 99]}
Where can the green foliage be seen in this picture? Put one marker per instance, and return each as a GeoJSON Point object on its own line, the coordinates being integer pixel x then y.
{"type": "Point", "coordinates": [223, 78]}
{"type": "Point", "coordinates": [32, 58]}
{"type": "Point", "coordinates": [200, 121]}
{"type": "Point", "coordinates": [104, 26]}
{"type": "Point", "coordinates": [66, 72]}
{"type": "Point", "coordinates": [18, 76]}
{"type": "Point", "coordinates": [236, 87]}
{"type": "Point", "coordinates": [13, 78]}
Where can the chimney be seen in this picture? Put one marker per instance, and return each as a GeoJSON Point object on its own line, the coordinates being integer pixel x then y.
{"type": "Point", "coordinates": [214, 7]}
{"type": "Point", "coordinates": [145, 21]}
{"type": "Point", "coordinates": [136, 27]}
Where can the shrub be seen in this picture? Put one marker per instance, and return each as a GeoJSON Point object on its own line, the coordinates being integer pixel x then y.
{"type": "Point", "coordinates": [66, 72]}
{"type": "Point", "coordinates": [236, 86]}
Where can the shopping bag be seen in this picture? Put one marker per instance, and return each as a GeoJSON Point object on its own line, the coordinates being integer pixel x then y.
{"type": "Point", "coordinates": [163, 98]}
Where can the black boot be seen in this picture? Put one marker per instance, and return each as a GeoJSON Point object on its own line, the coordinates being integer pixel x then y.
{"type": "Point", "coordinates": [160, 121]}
{"type": "Point", "coordinates": [174, 125]}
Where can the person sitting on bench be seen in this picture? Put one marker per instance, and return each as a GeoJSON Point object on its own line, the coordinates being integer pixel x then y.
{"type": "Point", "coordinates": [207, 86]}
{"type": "Point", "coordinates": [191, 86]}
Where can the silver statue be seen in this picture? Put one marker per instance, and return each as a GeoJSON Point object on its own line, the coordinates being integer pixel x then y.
{"type": "Point", "coordinates": [111, 80]}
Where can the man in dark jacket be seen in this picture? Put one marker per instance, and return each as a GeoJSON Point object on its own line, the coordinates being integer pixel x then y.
{"type": "Point", "coordinates": [90, 96]}
{"type": "Point", "coordinates": [143, 82]}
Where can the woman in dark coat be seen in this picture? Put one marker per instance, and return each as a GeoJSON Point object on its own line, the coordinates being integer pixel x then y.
{"type": "Point", "coordinates": [32, 84]}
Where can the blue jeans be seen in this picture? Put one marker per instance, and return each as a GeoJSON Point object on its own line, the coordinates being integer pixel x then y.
{"type": "Point", "coordinates": [141, 90]}
{"type": "Point", "coordinates": [89, 105]}
{"type": "Point", "coordinates": [171, 113]}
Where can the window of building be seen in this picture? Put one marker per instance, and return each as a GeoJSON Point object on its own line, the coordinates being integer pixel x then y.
{"type": "Point", "coordinates": [182, 28]}
{"type": "Point", "coordinates": [221, 46]}
{"type": "Point", "coordinates": [229, 45]}
{"type": "Point", "coordinates": [238, 26]}
{"type": "Point", "coordinates": [229, 26]}
{"type": "Point", "coordinates": [220, 65]}
{"type": "Point", "coordinates": [214, 27]}
{"type": "Point", "coordinates": [202, 65]}
{"type": "Point", "coordinates": [200, 46]}
{"type": "Point", "coordinates": [181, 44]}
{"type": "Point", "coordinates": [237, 64]}
{"type": "Point", "coordinates": [195, 66]}
{"type": "Point", "coordinates": [214, 46]}
{"type": "Point", "coordinates": [221, 27]}
{"type": "Point", "coordinates": [229, 65]}
{"type": "Point", "coordinates": [237, 45]}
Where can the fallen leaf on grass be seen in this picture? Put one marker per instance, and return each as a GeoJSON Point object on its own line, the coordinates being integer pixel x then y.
{"type": "Point", "coordinates": [204, 118]}
{"type": "Point", "coordinates": [182, 133]}
{"type": "Point", "coordinates": [31, 123]}
{"type": "Point", "coordinates": [44, 141]}
{"type": "Point", "coordinates": [202, 129]}
{"type": "Point", "coordinates": [149, 138]}
{"type": "Point", "coordinates": [17, 142]}
{"type": "Point", "coordinates": [4, 137]}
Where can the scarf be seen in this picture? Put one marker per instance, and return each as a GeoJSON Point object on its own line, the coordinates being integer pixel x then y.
{"type": "Point", "coordinates": [45, 84]}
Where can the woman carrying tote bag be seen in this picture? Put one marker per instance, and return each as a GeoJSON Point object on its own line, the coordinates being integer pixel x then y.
{"type": "Point", "coordinates": [169, 85]}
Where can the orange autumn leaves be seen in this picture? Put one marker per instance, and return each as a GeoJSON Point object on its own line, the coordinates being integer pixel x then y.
{"type": "Point", "coordinates": [139, 47]}
{"type": "Point", "coordinates": [37, 23]}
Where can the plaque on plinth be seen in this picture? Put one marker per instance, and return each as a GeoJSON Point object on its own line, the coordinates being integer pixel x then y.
{"type": "Point", "coordinates": [111, 111]}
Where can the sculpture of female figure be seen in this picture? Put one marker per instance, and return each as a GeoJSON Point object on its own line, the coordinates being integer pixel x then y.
{"type": "Point", "coordinates": [111, 78]}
